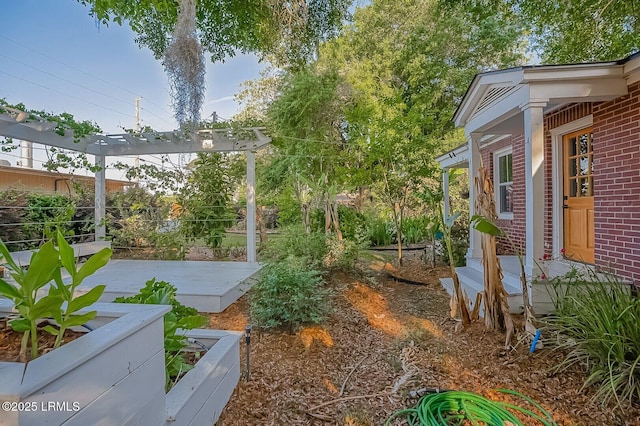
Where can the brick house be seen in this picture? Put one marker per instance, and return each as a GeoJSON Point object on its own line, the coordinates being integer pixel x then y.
{"type": "Point", "coordinates": [562, 143]}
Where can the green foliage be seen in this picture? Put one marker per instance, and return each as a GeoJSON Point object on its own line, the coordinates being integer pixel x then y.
{"type": "Point", "coordinates": [293, 241]}
{"type": "Point", "coordinates": [68, 316]}
{"type": "Point", "coordinates": [289, 294]}
{"type": "Point", "coordinates": [137, 218]}
{"type": "Point", "coordinates": [596, 322]}
{"type": "Point", "coordinates": [353, 224]}
{"type": "Point", "coordinates": [46, 268]}
{"type": "Point", "coordinates": [381, 233]}
{"type": "Point", "coordinates": [205, 200]}
{"type": "Point", "coordinates": [415, 229]}
{"type": "Point", "coordinates": [459, 240]}
{"type": "Point", "coordinates": [47, 213]}
{"type": "Point", "coordinates": [175, 322]}
{"type": "Point", "coordinates": [290, 31]}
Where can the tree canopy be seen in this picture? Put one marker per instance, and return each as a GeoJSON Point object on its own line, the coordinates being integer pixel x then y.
{"type": "Point", "coordinates": [289, 30]}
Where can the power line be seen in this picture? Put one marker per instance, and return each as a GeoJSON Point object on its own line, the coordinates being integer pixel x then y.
{"type": "Point", "coordinates": [65, 80]}
{"type": "Point", "coordinates": [64, 94]}
{"type": "Point", "coordinates": [24, 46]}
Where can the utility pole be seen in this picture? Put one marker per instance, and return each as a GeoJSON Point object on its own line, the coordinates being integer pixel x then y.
{"type": "Point", "coordinates": [137, 129]}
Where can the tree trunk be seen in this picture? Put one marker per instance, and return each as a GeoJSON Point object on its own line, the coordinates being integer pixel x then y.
{"type": "Point", "coordinates": [336, 220]}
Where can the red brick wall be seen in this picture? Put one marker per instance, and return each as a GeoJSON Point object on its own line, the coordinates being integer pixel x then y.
{"type": "Point", "coordinates": [516, 227]}
{"type": "Point", "coordinates": [616, 145]}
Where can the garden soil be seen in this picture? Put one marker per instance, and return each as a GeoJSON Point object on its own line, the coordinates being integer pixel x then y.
{"type": "Point", "coordinates": [385, 339]}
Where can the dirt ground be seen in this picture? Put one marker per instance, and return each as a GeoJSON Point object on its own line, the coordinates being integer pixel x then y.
{"type": "Point", "coordinates": [385, 339]}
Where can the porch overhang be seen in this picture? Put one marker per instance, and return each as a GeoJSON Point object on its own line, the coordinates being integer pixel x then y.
{"type": "Point", "coordinates": [495, 101]}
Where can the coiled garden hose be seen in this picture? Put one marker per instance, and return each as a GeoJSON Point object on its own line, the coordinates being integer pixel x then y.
{"type": "Point", "coordinates": [456, 407]}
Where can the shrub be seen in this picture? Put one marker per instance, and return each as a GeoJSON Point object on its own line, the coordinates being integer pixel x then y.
{"type": "Point", "coordinates": [596, 322]}
{"type": "Point", "coordinates": [289, 294]}
{"type": "Point", "coordinates": [293, 241]}
{"type": "Point", "coordinates": [459, 245]}
{"type": "Point", "coordinates": [415, 229]}
{"type": "Point", "coordinates": [341, 254]}
{"type": "Point", "coordinates": [180, 317]}
{"type": "Point", "coordinates": [381, 233]}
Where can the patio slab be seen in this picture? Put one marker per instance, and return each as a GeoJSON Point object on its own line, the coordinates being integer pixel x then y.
{"type": "Point", "coordinates": [205, 285]}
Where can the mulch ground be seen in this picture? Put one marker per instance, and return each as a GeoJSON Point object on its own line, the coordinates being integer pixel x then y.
{"type": "Point", "coordinates": [385, 339]}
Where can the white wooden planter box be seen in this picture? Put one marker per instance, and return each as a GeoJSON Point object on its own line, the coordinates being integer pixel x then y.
{"type": "Point", "coordinates": [199, 397]}
{"type": "Point", "coordinates": [113, 375]}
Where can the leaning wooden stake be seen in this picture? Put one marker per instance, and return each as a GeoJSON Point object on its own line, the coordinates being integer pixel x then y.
{"type": "Point", "coordinates": [496, 306]}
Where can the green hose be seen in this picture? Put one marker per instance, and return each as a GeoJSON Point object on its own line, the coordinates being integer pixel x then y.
{"type": "Point", "coordinates": [456, 407]}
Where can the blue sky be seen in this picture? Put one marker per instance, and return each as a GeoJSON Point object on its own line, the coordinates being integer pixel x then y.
{"type": "Point", "coordinates": [55, 57]}
{"type": "Point", "coordinates": [103, 59]}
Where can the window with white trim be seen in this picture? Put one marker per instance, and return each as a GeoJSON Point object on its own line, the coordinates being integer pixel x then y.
{"type": "Point", "coordinates": [503, 182]}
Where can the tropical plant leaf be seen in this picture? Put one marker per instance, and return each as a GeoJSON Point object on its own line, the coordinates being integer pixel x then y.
{"type": "Point", "coordinates": [76, 320]}
{"type": "Point", "coordinates": [67, 256]}
{"type": "Point", "coordinates": [20, 325]}
{"type": "Point", "coordinates": [87, 299]}
{"type": "Point", "coordinates": [92, 264]}
{"type": "Point", "coordinates": [45, 307]}
{"type": "Point", "coordinates": [41, 270]}
{"type": "Point", "coordinates": [9, 291]}
{"type": "Point", "coordinates": [486, 226]}
{"type": "Point", "coordinates": [51, 330]}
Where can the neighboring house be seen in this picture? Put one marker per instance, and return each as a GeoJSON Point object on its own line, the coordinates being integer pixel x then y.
{"type": "Point", "coordinates": [562, 143]}
{"type": "Point", "coordinates": [45, 182]}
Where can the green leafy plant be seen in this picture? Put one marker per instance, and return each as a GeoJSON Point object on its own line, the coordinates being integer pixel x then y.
{"type": "Point", "coordinates": [45, 268]}
{"type": "Point", "coordinates": [293, 241]}
{"type": "Point", "coordinates": [68, 316]}
{"type": "Point", "coordinates": [381, 233]}
{"type": "Point", "coordinates": [289, 294]}
{"type": "Point", "coordinates": [596, 324]}
{"type": "Point", "coordinates": [180, 318]}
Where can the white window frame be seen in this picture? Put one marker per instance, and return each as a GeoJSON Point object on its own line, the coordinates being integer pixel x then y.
{"type": "Point", "coordinates": [496, 180]}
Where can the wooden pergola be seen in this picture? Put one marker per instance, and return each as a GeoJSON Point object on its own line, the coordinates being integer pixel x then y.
{"type": "Point", "coordinates": [20, 125]}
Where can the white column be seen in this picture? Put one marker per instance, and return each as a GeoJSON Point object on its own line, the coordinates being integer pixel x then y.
{"type": "Point", "coordinates": [534, 184]}
{"type": "Point", "coordinates": [251, 206]}
{"type": "Point", "coordinates": [445, 193]}
{"type": "Point", "coordinates": [100, 199]}
{"type": "Point", "coordinates": [475, 161]}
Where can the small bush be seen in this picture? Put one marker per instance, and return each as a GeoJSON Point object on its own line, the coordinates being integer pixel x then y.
{"type": "Point", "coordinates": [459, 245]}
{"type": "Point", "coordinates": [293, 241]}
{"type": "Point", "coordinates": [341, 254]}
{"type": "Point", "coordinates": [381, 233]}
{"type": "Point", "coordinates": [414, 229]}
{"type": "Point", "coordinates": [289, 294]}
{"type": "Point", "coordinates": [596, 322]}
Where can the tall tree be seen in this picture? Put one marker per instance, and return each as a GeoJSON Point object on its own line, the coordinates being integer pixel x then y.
{"type": "Point", "coordinates": [307, 120]}
{"type": "Point", "coordinates": [408, 63]}
{"type": "Point", "coordinates": [566, 31]}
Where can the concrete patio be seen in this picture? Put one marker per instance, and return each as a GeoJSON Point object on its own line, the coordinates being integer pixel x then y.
{"type": "Point", "coordinates": [205, 285]}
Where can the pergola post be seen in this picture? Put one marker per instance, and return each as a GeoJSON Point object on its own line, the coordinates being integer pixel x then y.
{"type": "Point", "coordinates": [100, 198]}
{"type": "Point", "coordinates": [251, 206]}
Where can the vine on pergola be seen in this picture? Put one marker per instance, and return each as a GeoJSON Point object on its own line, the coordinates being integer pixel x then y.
{"type": "Point", "coordinates": [184, 65]}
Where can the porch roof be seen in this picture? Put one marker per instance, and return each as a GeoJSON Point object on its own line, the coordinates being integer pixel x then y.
{"type": "Point", "coordinates": [494, 101]}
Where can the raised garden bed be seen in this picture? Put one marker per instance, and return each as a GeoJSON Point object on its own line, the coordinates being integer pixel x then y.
{"type": "Point", "coordinates": [110, 373]}
{"type": "Point", "coordinates": [116, 372]}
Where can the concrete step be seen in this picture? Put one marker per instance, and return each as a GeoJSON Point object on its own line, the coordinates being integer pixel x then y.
{"type": "Point", "coordinates": [472, 282]}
